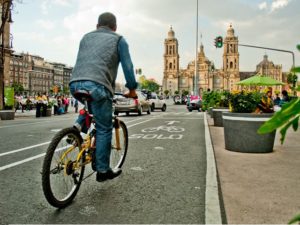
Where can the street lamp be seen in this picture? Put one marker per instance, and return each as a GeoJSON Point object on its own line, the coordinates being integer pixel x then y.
{"type": "Point", "coordinates": [196, 64]}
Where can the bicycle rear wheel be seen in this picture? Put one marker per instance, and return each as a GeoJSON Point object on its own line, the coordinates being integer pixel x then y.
{"type": "Point", "coordinates": [60, 179]}
{"type": "Point", "coordinates": [117, 156]}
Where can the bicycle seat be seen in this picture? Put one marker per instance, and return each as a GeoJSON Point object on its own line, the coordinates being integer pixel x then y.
{"type": "Point", "coordinates": [83, 95]}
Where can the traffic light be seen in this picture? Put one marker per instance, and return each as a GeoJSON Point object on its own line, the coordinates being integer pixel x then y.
{"type": "Point", "coordinates": [219, 42]}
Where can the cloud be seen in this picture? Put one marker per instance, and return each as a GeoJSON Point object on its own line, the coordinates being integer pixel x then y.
{"type": "Point", "coordinates": [277, 4]}
{"type": "Point", "coordinates": [262, 5]}
{"type": "Point", "coordinates": [145, 27]}
{"type": "Point", "coordinates": [46, 5]}
{"type": "Point", "coordinates": [46, 24]}
{"type": "Point", "coordinates": [62, 2]}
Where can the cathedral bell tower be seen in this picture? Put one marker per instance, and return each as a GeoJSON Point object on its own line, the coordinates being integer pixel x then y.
{"type": "Point", "coordinates": [171, 63]}
{"type": "Point", "coordinates": [230, 60]}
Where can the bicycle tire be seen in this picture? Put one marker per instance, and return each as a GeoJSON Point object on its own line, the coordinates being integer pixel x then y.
{"type": "Point", "coordinates": [117, 157]}
{"type": "Point", "coordinates": [48, 173]}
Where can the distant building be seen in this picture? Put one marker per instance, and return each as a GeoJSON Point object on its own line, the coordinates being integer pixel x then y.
{"type": "Point", "coordinates": [37, 75]}
{"type": "Point", "coordinates": [208, 77]}
{"type": "Point", "coordinates": [40, 75]}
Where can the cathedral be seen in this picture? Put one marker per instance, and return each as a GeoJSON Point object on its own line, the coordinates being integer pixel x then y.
{"type": "Point", "coordinates": [207, 76]}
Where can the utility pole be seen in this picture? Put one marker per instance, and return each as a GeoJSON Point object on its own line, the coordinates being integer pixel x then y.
{"type": "Point", "coordinates": [196, 63]}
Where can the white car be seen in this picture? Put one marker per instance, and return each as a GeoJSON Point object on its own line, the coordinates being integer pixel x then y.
{"type": "Point", "coordinates": [157, 102]}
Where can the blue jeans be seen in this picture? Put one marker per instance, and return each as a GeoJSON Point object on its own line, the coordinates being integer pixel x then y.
{"type": "Point", "coordinates": [101, 108]}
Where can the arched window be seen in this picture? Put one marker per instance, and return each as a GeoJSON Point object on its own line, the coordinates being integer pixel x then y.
{"type": "Point", "coordinates": [170, 66]}
{"type": "Point", "coordinates": [231, 65]}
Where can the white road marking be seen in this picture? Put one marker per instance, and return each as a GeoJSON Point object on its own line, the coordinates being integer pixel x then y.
{"type": "Point", "coordinates": [23, 149]}
{"type": "Point", "coordinates": [40, 155]}
{"type": "Point", "coordinates": [136, 168]}
{"type": "Point", "coordinates": [159, 148]}
{"type": "Point", "coordinates": [29, 159]}
{"type": "Point", "coordinates": [212, 203]}
{"type": "Point", "coordinates": [21, 162]}
{"type": "Point", "coordinates": [55, 130]}
{"type": "Point", "coordinates": [25, 124]}
{"type": "Point", "coordinates": [172, 122]}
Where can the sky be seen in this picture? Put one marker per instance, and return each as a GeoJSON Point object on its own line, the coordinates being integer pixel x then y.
{"type": "Point", "coordinates": [52, 29]}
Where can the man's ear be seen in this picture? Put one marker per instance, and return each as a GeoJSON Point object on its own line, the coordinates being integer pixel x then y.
{"type": "Point", "coordinates": [115, 28]}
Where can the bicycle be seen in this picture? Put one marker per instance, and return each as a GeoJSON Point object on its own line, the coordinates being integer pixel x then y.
{"type": "Point", "coordinates": [69, 152]}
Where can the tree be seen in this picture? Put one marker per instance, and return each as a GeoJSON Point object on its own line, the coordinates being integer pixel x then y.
{"type": "Point", "coordinates": [176, 92]}
{"type": "Point", "coordinates": [184, 92]}
{"type": "Point", "coordinates": [148, 84]}
{"type": "Point", "coordinates": [152, 85]}
{"type": "Point", "coordinates": [292, 79]}
{"type": "Point", "coordinates": [166, 92]}
{"type": "Point", "coordinates": [17, 87]}
{"type": "Point", "coordinates": [66, 90]}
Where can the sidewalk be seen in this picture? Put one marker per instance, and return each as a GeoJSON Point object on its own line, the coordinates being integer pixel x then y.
{"type": "Point", "coordinates": [31, 113]}
{"type": "Point", "coordinates": [259, 188]}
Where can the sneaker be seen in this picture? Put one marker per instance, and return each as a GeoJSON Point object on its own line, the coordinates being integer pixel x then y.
{"type": "Point", "coordinates": [109, 175]}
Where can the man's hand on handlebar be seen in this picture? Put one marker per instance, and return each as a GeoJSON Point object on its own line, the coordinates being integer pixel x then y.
{"type": "Point", "coordinates": [131, 94]}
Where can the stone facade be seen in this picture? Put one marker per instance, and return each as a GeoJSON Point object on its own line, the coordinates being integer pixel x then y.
{"type": "Point", "coordinates": [268, 68]}
{"type": "Point", "coordinates": [207, 76]}
{"type": "Point", "coordinates": [171, 63]}
{"type": "Point", "coordinates": [37, 75]}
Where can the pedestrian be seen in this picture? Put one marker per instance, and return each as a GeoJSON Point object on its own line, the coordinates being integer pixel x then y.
{"type": "Point", "coordinates": [266, 103]}
{"type": "Point", "coordinates": [76, 106]}
{"type": "Point", "coordinates": [18, 103]}
{"type": "Point", "coordinates": [55, 105]}
{"type": "Point", "coordinates": [45, 101]}
{"type": "Point", "coordinates": [72, 101]}
{"type": "Point", "coordinates": [277, 99]}
{"type": "Point", "coordinates": [28, 104]}
{"type": "Point", "coordinates": [285, 97]}
{"type": "Point", "coordinates": [66, 104]}
{"type": "Point", "coordinates": [39, 104]}
{"type": "Point", "coordinates": [60, 107]}
{"type": "Point", "coordinates": [96, 68]}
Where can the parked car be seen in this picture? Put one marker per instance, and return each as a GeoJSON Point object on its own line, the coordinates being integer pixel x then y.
{"type": "Point", "coordinates": [194, 102]}
{"type": "Point", "coordinates": [128, 105]}
{"type": "Point", "coordinates": [157, 102]}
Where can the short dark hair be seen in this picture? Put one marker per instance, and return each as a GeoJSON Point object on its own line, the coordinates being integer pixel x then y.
{"type": "Point", "coordinates": [107, 19]}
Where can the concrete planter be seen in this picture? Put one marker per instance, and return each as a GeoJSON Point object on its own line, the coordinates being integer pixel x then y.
{"type": "Point", "coordinates": [7, 114]}
{"type": "Point", "coordinates": [240, 133]}
{"type": "Point", "coordinates": [209, 111]}
{"type": "Point", "coordinates": [49, 112]}
{"type": "Point", "coordinates": [217, 116]}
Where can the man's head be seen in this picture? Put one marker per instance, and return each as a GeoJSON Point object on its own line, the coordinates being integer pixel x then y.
{"type": "Point", "coordinates": [107, 19]}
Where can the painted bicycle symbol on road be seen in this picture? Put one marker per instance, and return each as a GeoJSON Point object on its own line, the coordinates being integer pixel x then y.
{"type": "Point", "coordinates": [171, 129]}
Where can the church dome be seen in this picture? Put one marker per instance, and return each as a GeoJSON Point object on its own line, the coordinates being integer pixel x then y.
{"type": "Point", "coordinates": [230, 31]}
{"type": "Point", "coordinates": [171, 33]}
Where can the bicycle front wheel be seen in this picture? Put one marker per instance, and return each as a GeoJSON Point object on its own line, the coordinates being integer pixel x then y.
{"type": "Point", "coordinates": [117, 156]}
{"type": "Point", "coordinates": [61, 176]}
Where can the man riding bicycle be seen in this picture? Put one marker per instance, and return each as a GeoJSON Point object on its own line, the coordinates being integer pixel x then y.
{"type": "Point", "coordinates": [96, 68]}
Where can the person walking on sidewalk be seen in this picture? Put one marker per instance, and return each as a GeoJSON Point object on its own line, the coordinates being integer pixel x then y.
{"type": "Point", "coordinates": [76, 105]}
{"type": "Point", "coordinates": [96, 68]}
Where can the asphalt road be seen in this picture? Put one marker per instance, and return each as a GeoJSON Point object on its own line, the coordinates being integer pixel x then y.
{"type": "Point", "coordinates": [163, 179]}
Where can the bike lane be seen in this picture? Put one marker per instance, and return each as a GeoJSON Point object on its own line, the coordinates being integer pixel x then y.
{"type": "Point", "coordinates": [163, 181]}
